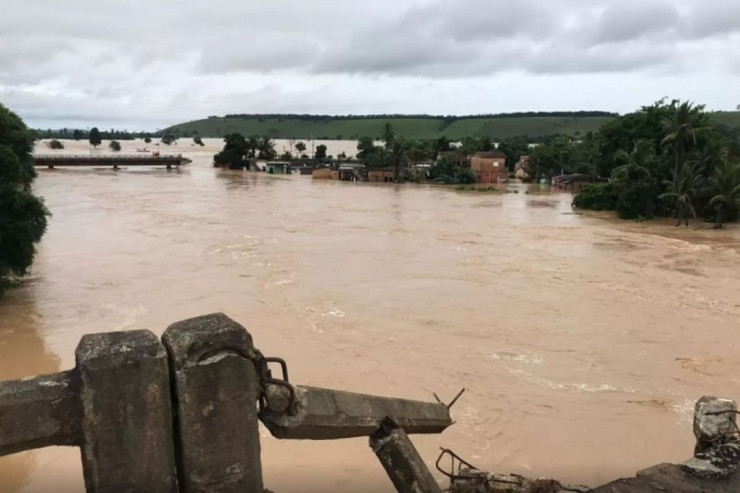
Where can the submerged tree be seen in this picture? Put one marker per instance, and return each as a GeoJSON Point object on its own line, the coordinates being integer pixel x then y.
{"type": "Point", "coordinates": [114, 146]}
{"type": "Point", "coordinates": [22, 215]}
{"type": "Point", "coordinates": [300, 147]}
{"type": "Point", "coordinates": [266, 148]}
{"type": "Point", "coordinates": [233, 154]}
{"type": "Point", "coordinates": [95, 139]}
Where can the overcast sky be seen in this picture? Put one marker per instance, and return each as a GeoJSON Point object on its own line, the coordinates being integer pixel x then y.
{"type": "Point", "coordinates": [146, 64]}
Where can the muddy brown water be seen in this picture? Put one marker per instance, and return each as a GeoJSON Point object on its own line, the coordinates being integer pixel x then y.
{"type": "Point", "coordinates": [583, 341]}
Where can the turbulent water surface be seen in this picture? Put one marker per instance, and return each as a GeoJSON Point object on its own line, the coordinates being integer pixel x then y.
{"type": "Point", "coordinates": [583, 341]}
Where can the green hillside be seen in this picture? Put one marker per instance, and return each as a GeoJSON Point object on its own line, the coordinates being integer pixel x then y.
{"type": "Point", "coordinates": [321, 127]}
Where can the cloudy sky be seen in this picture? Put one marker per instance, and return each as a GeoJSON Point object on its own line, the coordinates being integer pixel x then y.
{"type": "Point", "coordinates": [146, 64]}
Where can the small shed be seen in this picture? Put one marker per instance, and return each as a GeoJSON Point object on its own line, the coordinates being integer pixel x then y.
{"type": "Point", "coordinates": [278, 168]}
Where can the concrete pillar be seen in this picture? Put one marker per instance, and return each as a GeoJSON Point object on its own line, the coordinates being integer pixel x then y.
{"type": "Point", "coordinates": [127, 431]}
{"type": "Point", "coordinates": [217, 391]}
{"type": "Point", "coordinates": [401, 461]}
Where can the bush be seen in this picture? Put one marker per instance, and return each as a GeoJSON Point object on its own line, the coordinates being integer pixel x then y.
{"type": "Point", "coordinates": [114, 145]}
{"type": "Point", "coordinates": [466, 176]}
{"type": "Point", "coordinates": [596, 197]}
{"type": "Point", "coordinates": [55, 144]}
{"type": "Point", "coordinates": [637, 201]}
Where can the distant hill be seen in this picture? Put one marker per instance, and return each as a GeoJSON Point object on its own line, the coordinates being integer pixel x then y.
{"type": "Point", "coordinates": [410, 126]}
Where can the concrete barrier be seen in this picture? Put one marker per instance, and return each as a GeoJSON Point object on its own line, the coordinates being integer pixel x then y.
{"type": "Point", "coordinates": [115, 406]}
{"type": "Point", "coordinates": [217, 389]}
{"type": "Point", "coordinates": [181, 415]}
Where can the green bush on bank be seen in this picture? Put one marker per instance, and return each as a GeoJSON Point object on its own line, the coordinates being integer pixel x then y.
{"type": "Point", "coordinates": [597, 197]}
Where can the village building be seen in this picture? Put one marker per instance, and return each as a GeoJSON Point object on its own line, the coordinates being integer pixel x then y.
{"type": "Point", "coordinates": [278, 168]}
{"type": "Point", "coordinates": [523, 168]}
{"type": "Point", "coordinates": [489, 167]}
{"type": "Point", "coordinates": [383, 175]}
{"type": "Point", "coordinates": [325, 174]}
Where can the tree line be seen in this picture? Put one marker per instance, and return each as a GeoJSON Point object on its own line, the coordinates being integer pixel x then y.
{"type": "Point", "coordinates": [396, 116]}
{"type": "Point", "coordinates": [666, 159]}
{"type": "Point", "coordinates": [79, 134]}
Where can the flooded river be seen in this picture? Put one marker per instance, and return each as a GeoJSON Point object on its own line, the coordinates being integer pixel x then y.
{"type": "Point", "coordinates": [583, 341]}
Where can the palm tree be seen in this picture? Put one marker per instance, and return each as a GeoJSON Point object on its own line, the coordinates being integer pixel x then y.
{"type": "Point", "coordinates": [637, 163]}
{"type": "Point", "coordinates": [686, 122]}
{"type": "Point", "coordinates": [725, 183]}
{"type": "Point", "coordinates": [389, 136]}
{"type": "Point", "coordinates": [253, 144]}
{"type": "Point", "coordinates": [266, 148]}
{"type": "Point", "coordinates": [710, 155]}
{"type": "Point", "coordinates": [682, 191]}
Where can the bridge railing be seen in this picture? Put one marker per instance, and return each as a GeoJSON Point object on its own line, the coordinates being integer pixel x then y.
{"type": "Point", "coordinates": [103, 157]}
{"type": "Point", "coordinates": [181, 414]}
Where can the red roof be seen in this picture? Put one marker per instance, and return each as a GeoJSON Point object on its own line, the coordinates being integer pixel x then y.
{"type": "Point", "coordinates": [493, 155]}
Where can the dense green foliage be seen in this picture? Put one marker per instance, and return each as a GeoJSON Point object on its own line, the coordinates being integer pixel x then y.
{"type": "Point", "coordinates": [22, 215]}
{"type": "Point", "coordinates": [55, 144]}
{"type": "Point", "coordinates": [667, 158]}
{"type": "Point", "coordinates": [238, 150]}
{"type": "Point", "coordinates": [114, 146]}
{"type": "Point", "coordinates": [597, 197]}
{"type": "Point", "coordinates": [197, 140]}
{"type": "Point", "coordinates": [94, 137]}
{"type": "Point", "coordinates": [445, 172]}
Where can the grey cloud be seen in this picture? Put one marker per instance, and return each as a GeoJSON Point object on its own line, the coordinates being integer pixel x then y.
{"type": "Point", "coordinates": [632, 20]}
{"type": "Point", "coordinates": [185, 58]}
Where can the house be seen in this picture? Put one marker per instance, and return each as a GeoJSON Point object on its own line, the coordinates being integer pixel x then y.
{"type": "Point", "coordinates": [574, 183]}
{"type": "Point", "coordinates": [489, 167]}
{"type": "Point", "coordinates": [325, 174]}
{"type": "Point", "coordinates": [523, 168]}
{"type": "Point", "coordinates": [381, 175]}
{"type": "Point", "coordinates": [455, 158]}
{"type": "Point", "coordinates": [278, 168]}
{"type": "Point", "coordinates": [352, 172]}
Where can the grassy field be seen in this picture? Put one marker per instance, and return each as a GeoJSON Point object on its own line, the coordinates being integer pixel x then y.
{"type": "Point", "coordinates": [413, 128]}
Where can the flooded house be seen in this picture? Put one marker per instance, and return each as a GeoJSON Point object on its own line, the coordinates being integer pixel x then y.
{"type": "Point", "coordinates": [278, 168]}
{"type": "Point", "coordinates": [352, 172]}
{"type": "Point", "coordinates": [489, 167]}
{"type": "Point", "coordinates": [325, 174]}
{"type": "Point", "coordinates": [381, 175]}
{"type": "Point", "coordinates": [523, 168]}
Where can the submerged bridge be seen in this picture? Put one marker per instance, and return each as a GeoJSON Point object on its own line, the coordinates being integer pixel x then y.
{"type": "Point", "coordinates": [52, 161]}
